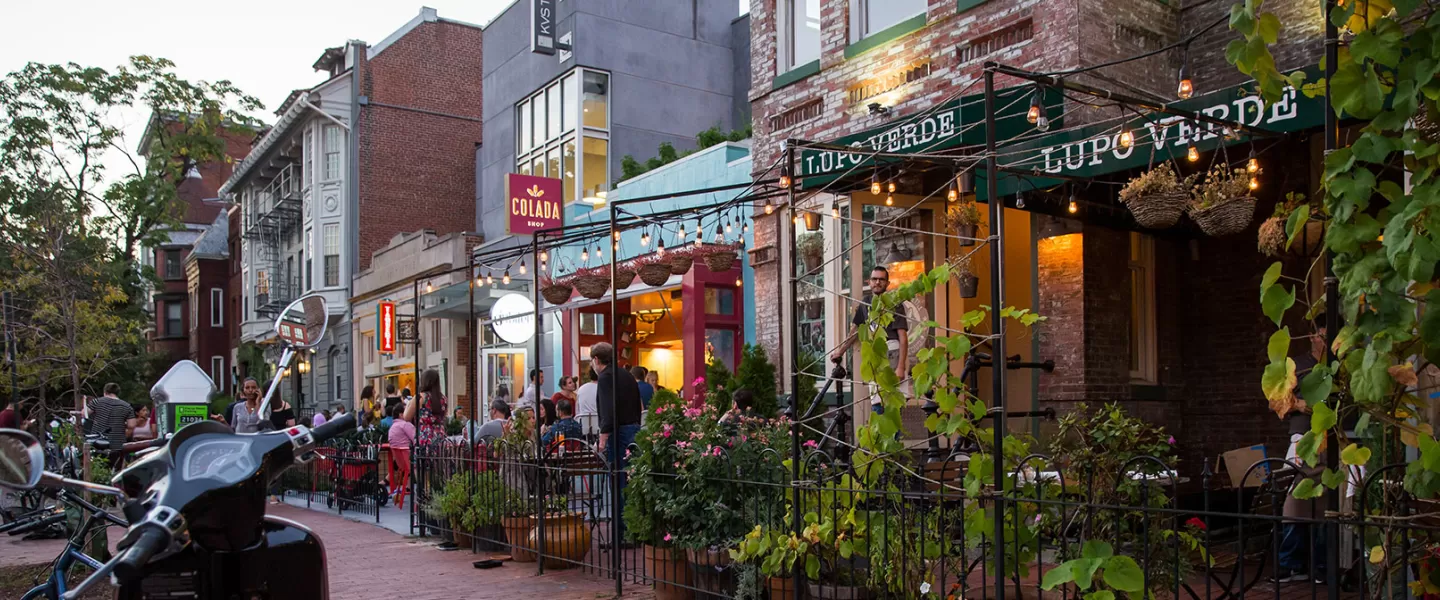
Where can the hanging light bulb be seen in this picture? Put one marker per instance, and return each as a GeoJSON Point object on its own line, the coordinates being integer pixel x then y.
{"type": "Point", "coordinates": [479, 281]}
{"type": "Point", "coordinates": [645, 240]}
{"type": "Point", "coordinates": [784, 176]}
{"type": "Point", "coordinates": [489, 279]}
{"type": "Point", "coordinates": [584, 254]}
{"type": "Point", "coordinates": [522, 267]}
{"type": "Point", "coordinates": [1192, 153]}
{"type": "Point", "coordinates": [769, 208]}
{"type": "Point", "coordinates": [875, 183]}
{"type": "Point", "coordinates": [953, 194]}
{"type": "Point", "coordinates": [699, 231]}
{"type": "Point", "coordinates": [890, 186]}
{"type": "Point", "coordinates": [1127, 139]}
{"type": "Point", "coordinates": [835, 211]}
{"type": "Point", "coordinates": [1186, 89]}
{"type": "Point", "coordinates": [615, 247]}
{"type": "Point", "coordinates": [1252, 165]}
{"type": "Point", "coordinates": [727, 227]}
{"type": "Point", "coordinates": [719, 235]}
{"type": "Point", "coordinates": [1036, 115]}
{"type": "Point", "coordinates": [505, 279]}
{"type": "Point", "coordinates": [1074, 206]}
{"type": "Point", "coordinates": [889, 200]}
{"type": "Point", "coordinates": [598, 255]}
{"type": "Point", "coordinates": [745, 229]}
{"type": "Point", "coordinates": [739, 282]}
{"type": "Point", "coordinates": [1254, 183]}
{"type": "Point", "coordinates": [660, 246]}
{"type": "Point", "coordinates": [544, 256]}
{"type": "Point", "coordinates": [699, 242]}
{"type": "Point", "coordinates": [428, 287]}
{"type": "Point", "coordinates": [616, 235]}
{"type": "Point", "coordinates": [682, 230]}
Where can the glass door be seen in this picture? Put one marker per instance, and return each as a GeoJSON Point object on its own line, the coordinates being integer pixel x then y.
{"type": "Point", "coordinates": [502, 366]}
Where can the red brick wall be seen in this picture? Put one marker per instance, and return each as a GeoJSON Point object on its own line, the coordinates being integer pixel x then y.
{"type": "Point", "coordinates": [417, 170]}
{"type": "Point", "coordinates": [234, 311]}
{"type": "Point", "coordinates": [207, 341]}
{"type": "Point", "coordinates": [1061, 289]}
{"type": "Point", "coordinates": [1301, 41]}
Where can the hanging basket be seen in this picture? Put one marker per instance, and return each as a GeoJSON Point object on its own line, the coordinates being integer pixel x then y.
{"type": "Point", "coordinates": [680, 264]}
{"type": "Point", "coordinates": [720, 261]}
{"type": "Point", "coordinates": [593, 286]}
{"type": "Point", "coordinates": [1428, 128]}
{"type": "Point", "coordinates": [967, 234]}
{"type": "Point", "coordinates": [969, 285]}
{"type": "Point", "coordinates": [655, 274]}
{"type": "Point", "coordinates": [556, 293]}
{"type": "Point", "coordinates": [1227, 218]}
{"type": "Point", "coordinates": [1159, 210]}
{"type": "Point", "coordinates": [624, 277]}
{"type": "Point", "coordinates": [1270, 239]}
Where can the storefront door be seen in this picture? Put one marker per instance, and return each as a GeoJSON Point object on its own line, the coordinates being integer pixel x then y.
{"type": "Point", "coordinates": [503, 366]}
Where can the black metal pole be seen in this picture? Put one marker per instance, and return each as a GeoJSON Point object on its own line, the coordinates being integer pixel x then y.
{"type": "Point", "coordinates": [1332, 309]}
{"type": "Point", "coordinates": [613, 442]}
{"type": "Point", "coordinates": [539, 447]}
{"type": "Point", "coordinates": [415, 397]}
{"type": "Point", "coordinates": [997, 324]}
{"type": "Point", "coordinates": [472, 333]}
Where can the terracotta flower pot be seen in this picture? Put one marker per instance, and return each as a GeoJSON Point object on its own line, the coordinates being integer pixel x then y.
{"type": "Point", "coordinates": [463, 539]}
{"type": "Point", "coordinates": [820, 591]}
{"type": "Point", "coordinates": [711, 573]}
{"type": "Point", "coordinates": [671, 572]}
{"type": "Point", "coordinates": [517, 530]}
{"type": "Point", "coordinates": [566, 540]}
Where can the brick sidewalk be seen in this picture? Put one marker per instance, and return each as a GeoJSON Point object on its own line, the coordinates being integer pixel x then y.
{"type": "Point", "coordinates": [368, 562]}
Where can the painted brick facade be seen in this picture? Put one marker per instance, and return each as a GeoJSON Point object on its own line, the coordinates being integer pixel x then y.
{"type": "Point", "coordinates": [417, 164]}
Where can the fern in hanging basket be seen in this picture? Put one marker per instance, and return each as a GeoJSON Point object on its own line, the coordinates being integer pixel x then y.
{"type": "Point", "coordinates": [1157, 197]}
{"type": "Point", "coordinates": [654, 270]}
{"type": "Point", "coordinates": [555, 290]}
{"type": "Point", "coordinates": [1221, 204]}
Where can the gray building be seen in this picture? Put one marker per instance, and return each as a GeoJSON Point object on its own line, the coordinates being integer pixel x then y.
{"type": "Point", "coordinates": [640, 73]}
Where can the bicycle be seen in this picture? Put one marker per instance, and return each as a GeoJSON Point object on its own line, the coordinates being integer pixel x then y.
{"type": "Point", "coordinates": [95, 519]}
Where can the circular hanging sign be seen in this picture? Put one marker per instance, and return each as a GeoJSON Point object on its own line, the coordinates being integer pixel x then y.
{"type": "Point", "coordinates": [513, 318]}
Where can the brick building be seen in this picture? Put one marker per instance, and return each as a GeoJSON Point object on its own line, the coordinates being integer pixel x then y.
{"type": "Point", "coordinates": [1166, 322]}
{"type": "Point", "coordinates": [207, 277]}
{"type": "Point", "coordinates": [199, 205]}
{"type": "Point", "coordinates": [384, 145]}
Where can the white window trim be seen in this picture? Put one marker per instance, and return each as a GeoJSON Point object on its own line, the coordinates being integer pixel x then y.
{"type": "Point", "coordinates": [784, 53]}
{"type": "Point", "coordinates": [217, 307]}
{"type": "Point", "coordinates": [860, 27]}
{"type": "Point", "coordinates": [1148, 360]}
{"type": "Point", "coordinates": [325, 151]}
{"type": "Point", "coordinates": [217, 373]}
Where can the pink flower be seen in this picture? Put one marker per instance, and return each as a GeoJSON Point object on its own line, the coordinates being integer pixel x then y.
{"type": "Point", "coordinates": [716, 451]}
{"type": "Point", "coordinates": [691, 413]}
{"type": "Point", "coordinates": [698, 381]}
{"type": "Point", "coordinates": [811, 444]}
{"type": "Point", "coordinates": [1172, 440]}
{"type": "Point", "coordinates": [668, 538]}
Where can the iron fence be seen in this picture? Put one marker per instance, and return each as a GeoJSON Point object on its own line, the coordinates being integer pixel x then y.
{"type": "Point", "coordinates": [347, 476]}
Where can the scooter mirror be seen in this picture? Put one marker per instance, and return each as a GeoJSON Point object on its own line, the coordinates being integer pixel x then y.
{"type": "Point", "coordinates": [21, 459]}
{"type": "Point", "coordinates": [302, 324]}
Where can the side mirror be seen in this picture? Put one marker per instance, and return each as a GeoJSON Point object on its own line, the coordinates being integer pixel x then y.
{"type": "Point", "coordinates": [22, 461]}
{"type": "Point", "coordinates": [302, 324]}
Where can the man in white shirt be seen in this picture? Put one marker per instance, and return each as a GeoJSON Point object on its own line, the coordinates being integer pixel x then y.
{"type": "Point", "coordinates": [587, 411]}
{"type": "Point", "coordinates": [527, 400]}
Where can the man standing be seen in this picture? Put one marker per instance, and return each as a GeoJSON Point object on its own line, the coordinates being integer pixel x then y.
{"type": "Point", "coordinates": [897, 334]}
{"type": "Point", "coordinates": [110, 417]}
{"type": "Point", "coordinates": [647, 391]}
{"type": "Point", "coordinates": [532, 391]}
{"type": "Point", "coordinates": [618, 400]}
{"type": "Point", "coordinates": [586, 409]}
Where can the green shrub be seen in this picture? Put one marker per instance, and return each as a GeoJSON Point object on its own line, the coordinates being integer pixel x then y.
{"type": "Point", "coordinates": [757, 374]}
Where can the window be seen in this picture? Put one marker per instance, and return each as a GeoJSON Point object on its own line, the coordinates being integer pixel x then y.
{"type": "Point", "coordinates": [305, 271]}
{"type": "Point", "coordinates": [217, 371]}
{"type": "Point", "coordinates": [217, 307]}
{"type": "Point", "coordinates": [868, 17]}
{"type": "Point", "coordinates": [174, 319]}
{"type": "Point", "coordinates": [1142, 308]}
{"type": "Point", "coordinates": [801, 32]}
{"type": "Point", "coordinates": [173, 269]}
{"type": "Point", "coordinates": [194, 309]}
{"type": "Point", "coordinates": [435, 334]}
{"type": "Point", "coordinates": [309, 266]}
{"type": "Point", "coordinates": [332, 254]}
{"type": "Point", "coordinates": [547, 139]}
{"type": "Point", "coordinates": [332, 146]}
{"type": "Point", "coordinates": [368, 347]}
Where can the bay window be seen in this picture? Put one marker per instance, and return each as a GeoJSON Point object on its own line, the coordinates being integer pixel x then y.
{"type": "Point", "coordinates": [569, 114]}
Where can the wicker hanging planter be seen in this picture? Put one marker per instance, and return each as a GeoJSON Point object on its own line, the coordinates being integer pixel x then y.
{"type": "Point", "coordinates": [720, 261]}
{"type": "Point", "coordinates": [1157, 197]}
{"type": "Point", "coordinates": [1222, 204]}
{"type": "Point", "coordinates": [655, 274]}
{"type": "Point", "coordinates": [624, 276]}
{"type": "Point", "coordinates": [593, 285]}
{"type": "Point", "coordinates": [681, 262]}
{"type": "Point", "coordinates": [556, 292]}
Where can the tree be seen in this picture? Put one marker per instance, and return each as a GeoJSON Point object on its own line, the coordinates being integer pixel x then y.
{"type": "Point", "coordinates": [1384, 235]}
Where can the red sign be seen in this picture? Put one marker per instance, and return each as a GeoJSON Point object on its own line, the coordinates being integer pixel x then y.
{"type": "Point", "coordinates": [535, 203]}
{"type": "Point", "coordinates": [386, 327]}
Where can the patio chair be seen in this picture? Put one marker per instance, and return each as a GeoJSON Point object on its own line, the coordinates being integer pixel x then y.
{"type": "Point", "coordinates": [573, 465]}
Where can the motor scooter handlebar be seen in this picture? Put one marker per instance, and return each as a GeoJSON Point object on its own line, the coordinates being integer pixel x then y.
{"type": "Point", "coordinates": [333, 428]}
{"type": "Point", "coordinates": [131, 565]}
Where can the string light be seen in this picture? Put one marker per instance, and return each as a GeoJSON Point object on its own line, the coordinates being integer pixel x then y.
{"type": "Point", "coordinates": [1074, 206]}
{"type": "Point", "coordinates": [890, 187]}
{"type": "Point", "coordinates": [784, 176]}
{"type": "Point", "coordinates": [598, 255]}
{"type": "Point", "coordinates": [719, 234]}
{"type": "Point", "coordinates": [769, 208]}
{"type": "Point", "coordinates": [544, 256]}
{"type": "Point", "coordinates": [660, 245]}
{"type": "Point", "coordinates": [429, 287]}
{"type": "Point", "coordinates": [739, 282]}
{"type": "Point", "coordinates": [1127, 139]}
{"type": "Point", "coordinates": [682, 230]}
{"type": "Point", "coordinates": [835, 211]}
{"type": "Point", "coordinates": [584, 254]}
{"type": "Point", "coordinates": [615, 247]}
{"type": "Point", "coordinates": [522, 267]}
{"type": "Point", "coordinates": [505, 279]}
{"type": "Point", "coordinates": [727, 227]}
{"type": "Point", "coordinates": [645, 239]}
{"type": "Point", "coordinates": [1186, 89]}
{"type": "Point", "coordinates": [1252, 165]}
{"type": "Point", "coordinates": [795, 219]}
{"type": "Point", "coordinates": [889, 200]}
{"type": "Point", "coordinates": [1036, 115]}
{"type": "Point", "coordinates": [616, 235]}
{"type": "Point", "coordinates": [875, 183]}
{"type": "Point", "coordinates": [479, 281]}
{"type": "Point", "coordinates": [1254, 183]}
{"type": "Point", "coordinates": [489, 279]}
{"type": "Point", "coordinates": [1192, 153]}
{"type": "Point", "coordinates": [745, 229]}
{"type": "Point", "coordinates": [699, 230]}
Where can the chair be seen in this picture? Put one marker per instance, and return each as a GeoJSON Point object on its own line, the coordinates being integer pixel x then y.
{"type": "Point", "coordinates": [571, 456]}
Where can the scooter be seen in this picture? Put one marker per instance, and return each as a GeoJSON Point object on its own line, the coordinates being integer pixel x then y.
{"type": "Point", "coordinates": [196, 506]}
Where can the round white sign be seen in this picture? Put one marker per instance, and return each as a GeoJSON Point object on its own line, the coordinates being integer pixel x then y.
{"type": "Point", "coordinates": [513, 318]}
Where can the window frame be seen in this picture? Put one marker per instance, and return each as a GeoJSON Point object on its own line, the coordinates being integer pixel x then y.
{"type": "Point", "coordinates": [1147, 363]}
{"type": "Point", "coordinates": [329, 148]}
{"type": "Point", "coordinates": [177, 330]}
{"type": "Point", "coordinates": [217, 307]}
{"type": "Point", "coordinates": [325, 232]}
{"type": "Point", "coordinates": [785, 36]}
{"type": "Point", "coordinates": [860, 18]}
{"type": "Point", "coordinates": [532, 150]}
{"type": "Point", "coordinates": [174, 268]}
{"type": "Point", "coordinates": [220, 370]}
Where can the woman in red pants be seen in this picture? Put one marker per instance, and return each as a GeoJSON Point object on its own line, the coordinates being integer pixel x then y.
{"type": "Point", "coordinates": [402, 438]}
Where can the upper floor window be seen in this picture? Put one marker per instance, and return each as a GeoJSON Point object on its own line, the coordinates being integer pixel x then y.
{"type": "Point", "coordinates": [332, 254]}
{"type": "Point", "coordinates": [172, 265]}
{"type": "Point", "coordinates": [217, 307]}
{"type": "Point", "coordinates": [174, 319]}
{"type": "Point", "coordinates": [800, 26]}
{"type": "Point", "coordinates": [868, 17]}
{"type": "Point", "coordinates": [332, 146]}
{"type": "Point", "coordinates": [548, 141]}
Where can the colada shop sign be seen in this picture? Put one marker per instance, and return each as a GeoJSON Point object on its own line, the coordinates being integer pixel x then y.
{"type": "Point", "coordinates": [1096, 150]}
{"type": "Point", "coordinates": [534, 203]}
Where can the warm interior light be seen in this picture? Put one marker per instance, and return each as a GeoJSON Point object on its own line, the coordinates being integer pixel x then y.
{"type": "Point", "coordinates": [595, 200]}
{"type": "Point", "coordinates": [1192, 154]}
{"type": "Point", "coordinates": [891, 187]}
{"type": "Point", "coordinates": [1127, 139]}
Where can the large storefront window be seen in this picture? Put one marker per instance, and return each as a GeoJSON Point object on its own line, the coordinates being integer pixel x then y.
{"type": "Point", "coordinates": [547, 136]}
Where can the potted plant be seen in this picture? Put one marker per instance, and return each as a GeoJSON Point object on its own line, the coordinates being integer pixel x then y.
{"type": "Point", "coordinates": [654, 270]}
{"type": "Point", "coordinates": [811, 247]}
{"type": "Point", "coordinates": [516, 448]}
{"type": "Point", "coordinates": [1157, 197]}
{"type": "Point", "coordinates": [555, 290]}
{"type": "Point", "coordinates": [1222, 204]}
{"type": "Point", "coordinates": [681, 259]}
{"type": "Point", "coordinates": [492, 501]}
{"type": "Point", "coordinates": [811, 219]}
{"type": "Point", "coordinates": [1274, 237]}
{"type": "Point", "coordinates": [969, 283]}
{"type": "Point", "coordinates": [964, 219]}
{"type": "Point", "coordinates": [651, 491]}
{"type": "Point", "coordinates": [624, 275]}
{"type": "Point", "coordinates": [592, 283]}
{"type": "Point", "coordinates": [565, 539]}
{"type": "Point", "coordinates": [719, 257]}
{"type": "Point", "coordinates": [455, 504]}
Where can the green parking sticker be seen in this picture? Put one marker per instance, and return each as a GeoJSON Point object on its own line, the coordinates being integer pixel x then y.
{"type": "Point", "coordinates": [186, 414]}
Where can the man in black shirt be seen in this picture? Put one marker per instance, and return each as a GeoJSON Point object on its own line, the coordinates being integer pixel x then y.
{"type": "Point", "coordinates": [897, 333]}
{"type": "Point", "coordinates": [618, 404]}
